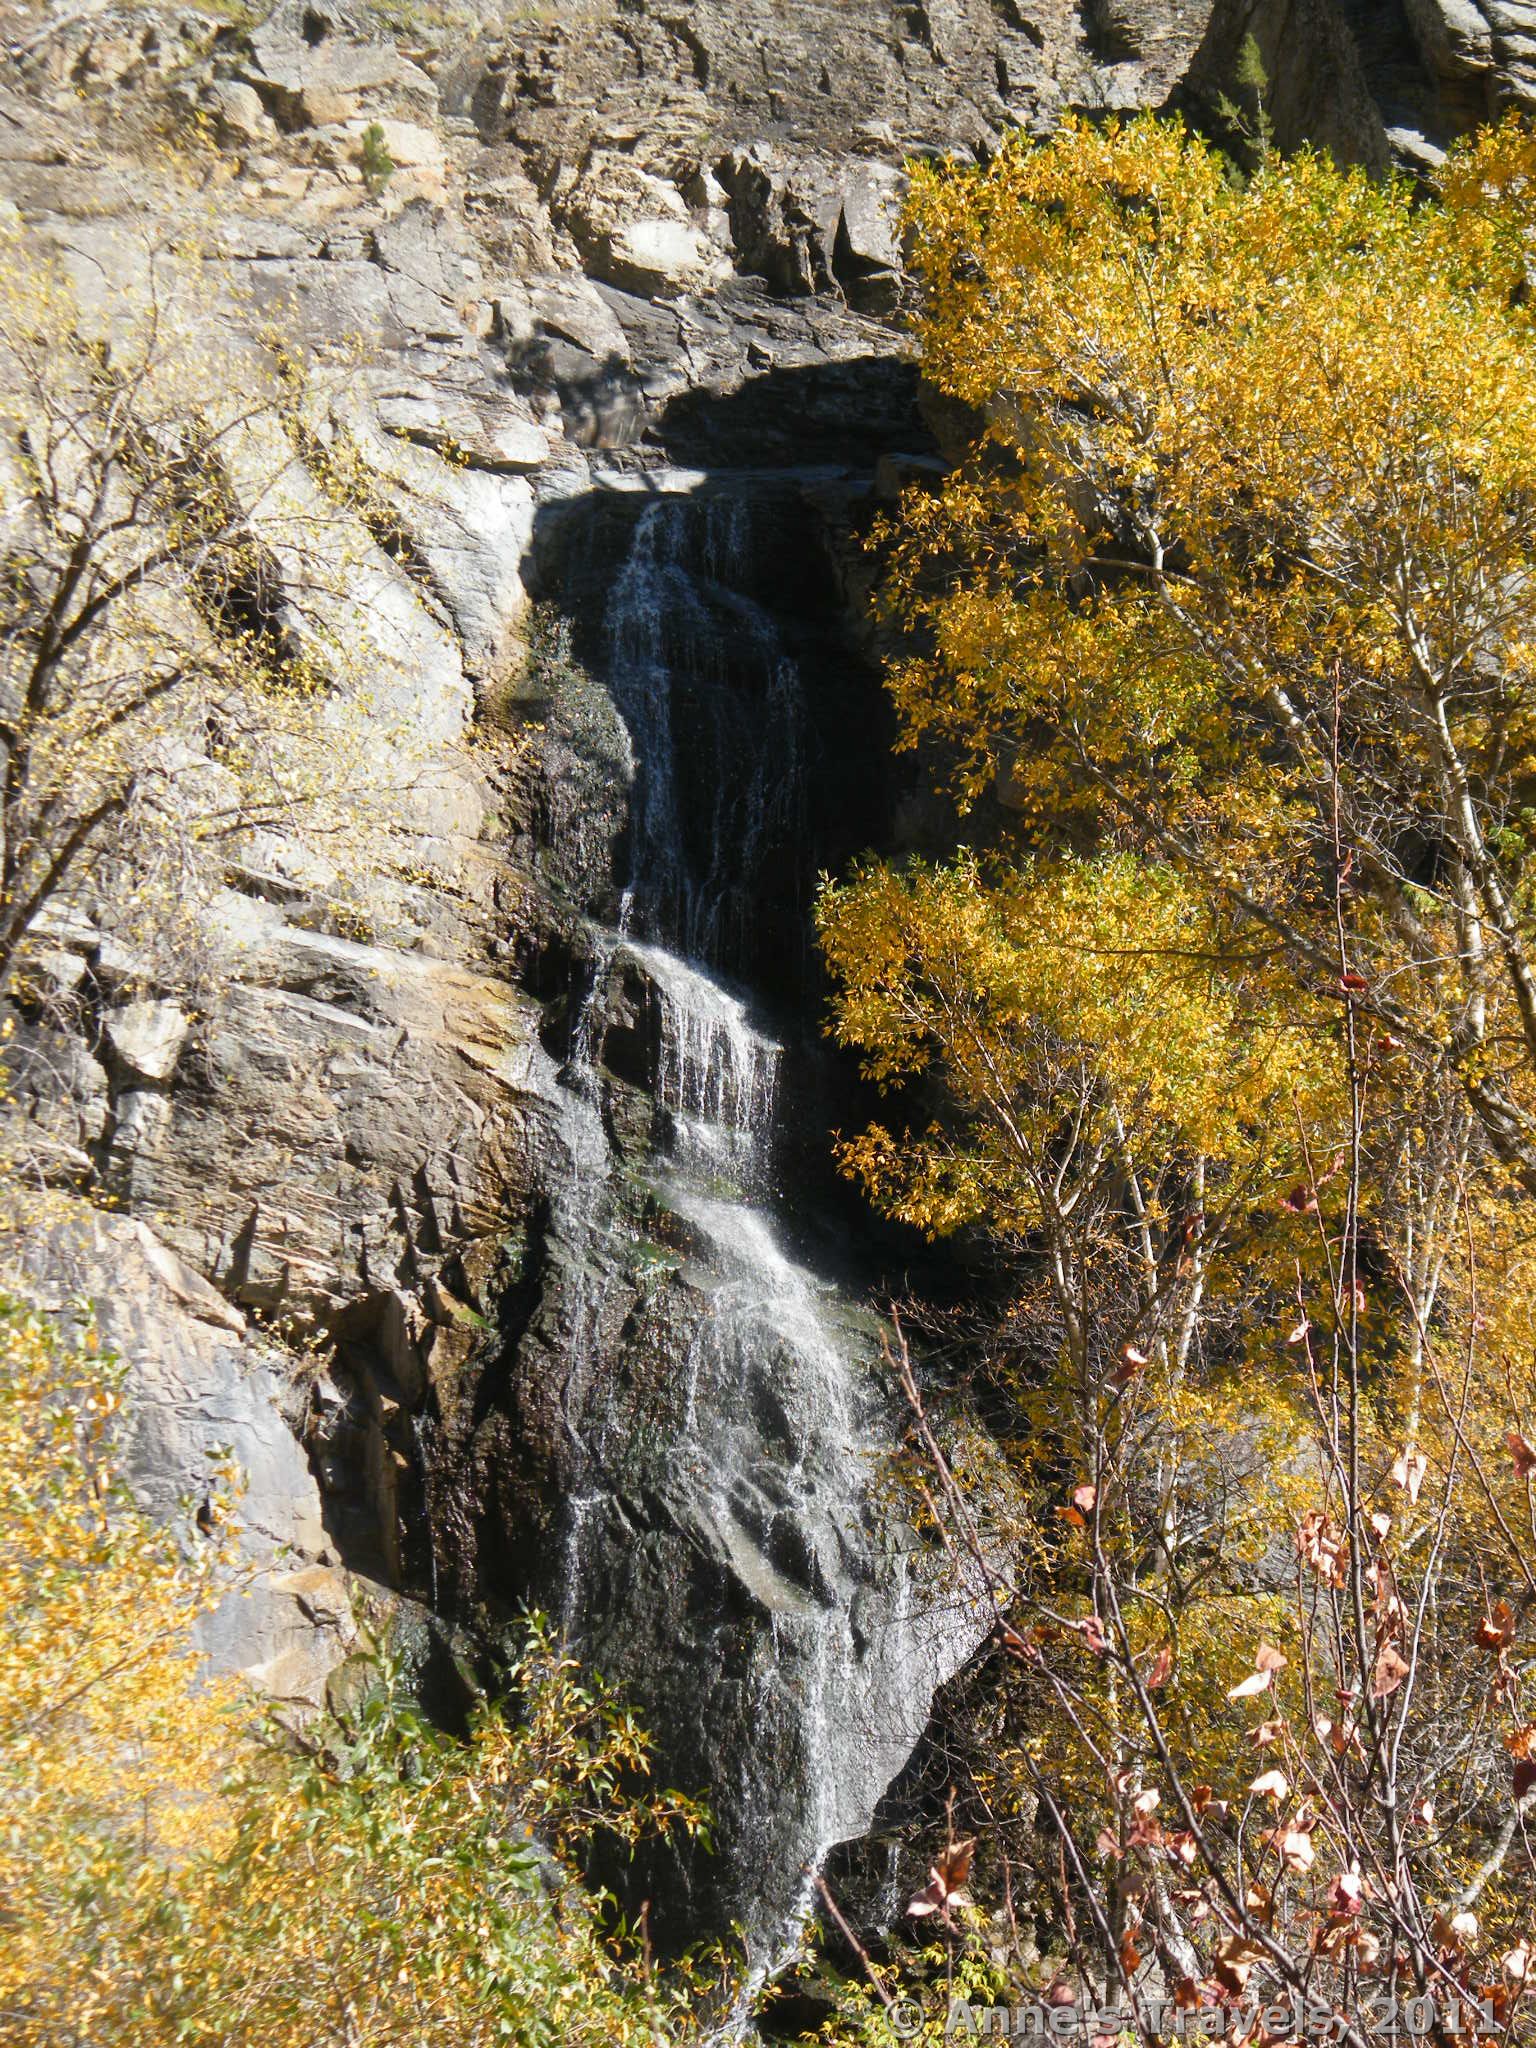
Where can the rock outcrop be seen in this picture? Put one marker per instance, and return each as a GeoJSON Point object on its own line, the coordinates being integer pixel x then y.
{"type": "Point", "coordinates": [569, 265]}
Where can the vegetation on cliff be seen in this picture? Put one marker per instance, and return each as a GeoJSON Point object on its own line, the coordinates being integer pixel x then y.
{"type": "Point", "coordinates": [1222, 1036]}
{"type": "Point", "coordinates": [192, 621]}
{"type": "Point", "coordinates": [175, 1866]}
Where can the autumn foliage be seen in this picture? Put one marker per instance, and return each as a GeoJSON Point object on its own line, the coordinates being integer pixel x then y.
{"type": "Point", "coordinates": [1217, 1046]}
{"type": "Point", "coordinates": [177, 1867]}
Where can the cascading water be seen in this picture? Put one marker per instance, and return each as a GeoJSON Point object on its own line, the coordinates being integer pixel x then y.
{"type": "Point", "coordinates": [674, 616]}
{"type": "Point", "coordinates": [728, 1517]}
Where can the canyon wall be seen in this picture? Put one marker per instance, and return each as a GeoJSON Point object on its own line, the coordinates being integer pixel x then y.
{"type": "Point", "coordinates": [497, 1236]}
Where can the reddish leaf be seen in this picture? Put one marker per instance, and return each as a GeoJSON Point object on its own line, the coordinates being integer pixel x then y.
{"type": "Point", "coordinates": [1332, 1936]}
{"type": "Point", "coordinates": [1523, 1452]}
{"type": "Point", "coordinates": [1083, 1498]}
{"type": "Point", "coordinates": [1161, 1669]}
{"type": "Point", "coordinates": [1497, 1630]}
{"type": "Point", "coordinates": [1234, 1963]}
{"type": "Point", "coordinates": [1267, 1661]}
{"type": "Point", "coordinates": [1295, 1849]}
{"type": "Point", "coordinates": [1322, 1546]}
{"type": "Point", "coordinates": [1017, 1646]}
{"type": "Point", "coordinates": [1259, 1904]}
{"type": "Point", "coordinates": [1301, 1201]}
{"type": "Point", "coordinates": [1456, 1930]}
{"type": "Point", "coordinates": [946, 1878]}
{"type": "Point", "coordinates": [1204, 1801]}
{"type": "Point", "coordinates": [1348, 1893]}
{"type": "Point", "coordinates": [1390, 1672]}
{"type": "Point", "coordinates": [1270, 1785]}
{"type": "Point", "coordinates": [1132, 1364]}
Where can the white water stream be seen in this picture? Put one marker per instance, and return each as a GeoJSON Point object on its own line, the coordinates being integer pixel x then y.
{"type": "Point", "coordinates": [770, 1476]}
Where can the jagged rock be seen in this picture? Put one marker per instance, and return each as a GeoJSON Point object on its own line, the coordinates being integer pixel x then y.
{"type": "Point", "coordinates": [408, 144]}
{"type": "Point", "coordinates": [1454, 35]}
{"type": "Point", "coordinates": [633, 230]}
{"type": "Point", "coordinates": [659, 257]}
{"type": "Point", "coordinates": [427, 246]}
{"type": "Point", "coordinates": [867, 253]}
{"type": "Point", "coordinates": [238, 110]}
{"type": "Point", "coordinates": [147, 1037]}
{"type": "Point", "coordinates": [419, 413]}
{"type": "Point", "coordinates": [784, 219]}
{"type": "Point", "coordinates": [869, 230]}
{"type": "Point", "coordinates": [468, 526]}
{"type": "Point", "coordinates": [63, 1093]}
{"type": "Point", "coordinates": [1483, 52]}
{"type": "Point", "coordinates": [312, 61]}
{"type": "Point", "coordinates": [572, 311]}
{"type": "Point", "coordinates": [201, 1387]}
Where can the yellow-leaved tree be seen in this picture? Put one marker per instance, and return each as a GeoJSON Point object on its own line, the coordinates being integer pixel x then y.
{"type": "Point", "coordinates": [1220, 1045]}
{"type": "Point", "coordinates": [198, 633]}
{"type": "Point", "coordinates": [175, 1868]}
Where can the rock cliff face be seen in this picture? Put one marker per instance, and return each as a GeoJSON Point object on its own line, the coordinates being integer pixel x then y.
{"type": "Point", "coordinates": [537, 1172]}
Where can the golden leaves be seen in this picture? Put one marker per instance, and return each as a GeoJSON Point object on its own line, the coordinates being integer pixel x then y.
{"type": "Point", "coordinates": [172, 1870]}
{"type": "Point", "coordinates": [1239, 439]}
{"type": "Point", "coordinates": [1074, 989]}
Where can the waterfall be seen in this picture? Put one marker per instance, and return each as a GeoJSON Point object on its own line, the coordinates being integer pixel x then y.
{"type": "Point", "coordinates": [728, 1519]}
{"type": "Point", "coordinates": [674, 616]}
